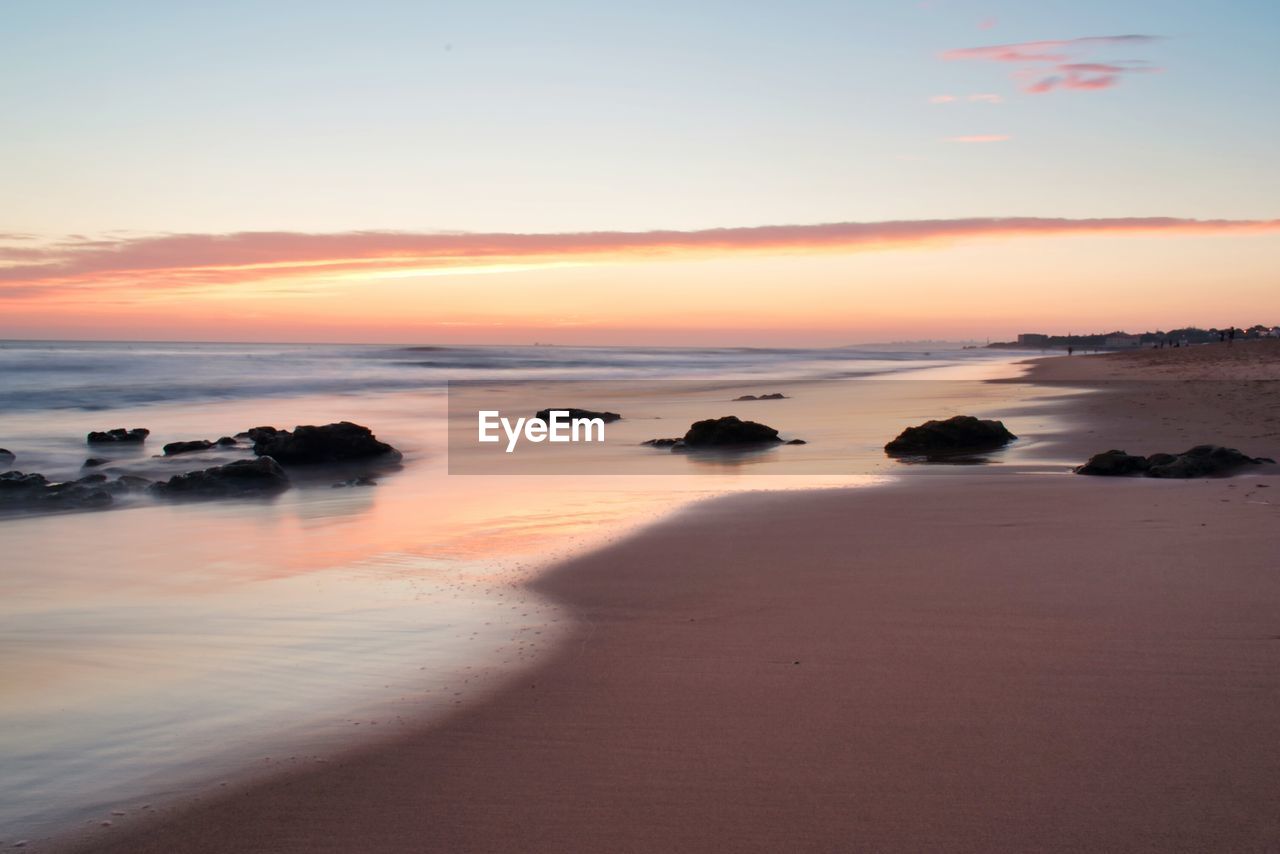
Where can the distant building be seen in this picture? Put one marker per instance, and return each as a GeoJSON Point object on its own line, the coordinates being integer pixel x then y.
{"type": "Point", "coordinates": [1033, 339]}
{"type": "Point", "coordinates": [1124, 341]}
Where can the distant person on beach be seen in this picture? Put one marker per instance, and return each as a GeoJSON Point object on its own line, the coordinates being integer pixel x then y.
{"type": "Point", "coordinates": [1070, 350]}
{"type": "Point", "coordinates": [1231, 335]}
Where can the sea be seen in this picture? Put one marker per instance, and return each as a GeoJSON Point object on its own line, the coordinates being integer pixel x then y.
{"type": "Point", "coordinates": [154, 650]}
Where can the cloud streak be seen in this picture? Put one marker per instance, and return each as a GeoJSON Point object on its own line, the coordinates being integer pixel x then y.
{"type": "Point", "coordinates": [977, 98]}
{"type": "Point", "coordinates": [1062, 59]}
{"type": "Point", "coordinates": [140, 265]}
{"type": "Point", "coordinates": [980, 137]}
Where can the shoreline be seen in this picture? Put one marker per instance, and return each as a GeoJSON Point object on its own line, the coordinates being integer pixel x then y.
{"type": "Point", "coordinates": [677, 717]}
{"type": "Point", "coordinates": [299, 621]}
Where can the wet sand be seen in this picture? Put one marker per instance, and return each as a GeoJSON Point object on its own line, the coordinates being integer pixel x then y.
{"type": "Point", "coordinates": [987, 662]}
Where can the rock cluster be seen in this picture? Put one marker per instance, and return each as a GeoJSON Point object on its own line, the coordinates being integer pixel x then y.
{"type": "Point", "coordinates": [22, 491]}
{"type": "Point", "coordinates": [1200, 461]}
{"type": "Point", "coordinates": [262, 476]}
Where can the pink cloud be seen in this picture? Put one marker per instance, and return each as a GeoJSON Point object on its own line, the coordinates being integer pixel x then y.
{"type": "Point", "coordinates": [1053, 50]}
{"type": "Point", "coordinates": [986, 98]}
{"type": "Point", "coordinates": [943, 99]}
{"type": "Point", "coordinates": [1063, 55]}
{"type": "Point", "coordinates": [130, 266]}
{"type": "Point", "coordinates": [987, 23]}
{"type": "Point", "coordinates": [1088, 75]}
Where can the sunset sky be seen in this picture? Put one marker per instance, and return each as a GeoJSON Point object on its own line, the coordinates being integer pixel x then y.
{"type": "Point", "coordinates": [720, 172]}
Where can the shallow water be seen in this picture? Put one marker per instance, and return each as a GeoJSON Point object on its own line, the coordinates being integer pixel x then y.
{"type": "Point", "coordinates": [154, 648]}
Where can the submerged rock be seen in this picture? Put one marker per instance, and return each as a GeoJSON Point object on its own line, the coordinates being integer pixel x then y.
{"type": "Point", "coordinates": [774, 396]}
{"type": "Point", "coordinates": [356, 481]}
{"type": "Point", "coordinates": [958, 434]}
{"type": "Point", "coordinates": [606, 417]}
{"type": "Point", "coordinates": [225, 441]}
{"type": "Point", "coordinates": [1200, 461]}
{"type": "Point", "coordinates": [331, 443]}
{"type": "Point", "coordinates": [7, 456]}
{"type": "Point", "coordinates": [119, 436]}
{"type": "Point", "coordinates": [94, 462]}
{"type": "Point", "coordinates": [174, 448]}
{"type": "Point", "coordinates": [262, 476]}
{"type": "Point", "coordinates": [663, 443]}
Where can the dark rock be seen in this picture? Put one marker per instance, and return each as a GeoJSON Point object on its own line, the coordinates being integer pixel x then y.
{"type": "Point", "coordinates": [225, 441]}
{"type": "Point", "coordinates": [74, 496]}
{"type": "Point", "coordinates": [356, 481]}
{"type": "Point", "coordinates": [774, 396]}
{"type": "Point", "coordinates": [1203, 461]}
{"type": "Point", "coordinates": [728, 431]}
{"type": "Point", "coordinates": [1200, 461]}
{"type": "Point", "coordinates": [34, 492]}
{"type": "Point", "coordinates": [119, 435]}
{"type": "Point", "coordinates": [94, 462]}
{"type": "Point", "coordinates": [131, 483]}
{"type": "Point", "coordinates": [255, 434]}
{"type": "Point", "coordinates": [606, 417]}
{"type": "Point", "coordinates": [1115, 463]}
{"type": "Point", "coordinates": [262, 476]}
{"type": "Point", "coordinates": [174, 448]}
{"type": "Point", "coordinates": [14, 482]}
{"type": "Point", "coordinates": [96, 477]}
{"type": "Point", "coordinates": [959, 434]}
{"type": "Point", "coordinates": [332, 443]}
{"type": "Point", "coordinates": [7, 456]}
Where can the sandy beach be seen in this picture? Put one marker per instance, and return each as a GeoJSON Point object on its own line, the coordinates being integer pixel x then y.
{"type": "Point", "coordinates": [639, 428]}
{"type": "Point", "coordinates": [993, 662]}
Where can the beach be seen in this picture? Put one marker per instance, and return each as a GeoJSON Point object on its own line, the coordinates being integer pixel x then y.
{"type": "Point", "coordinates": [639, 428]}
{"type": "Point", "coordinates": [157, 648]}
{"type": "Point", "coordinates": [992, 661]}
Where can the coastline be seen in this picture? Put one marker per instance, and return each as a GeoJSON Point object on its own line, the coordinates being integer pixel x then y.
{"type": "Point", "coordinates": [801, 671]}
{"type": "Point", "coordinates": [298, 626]}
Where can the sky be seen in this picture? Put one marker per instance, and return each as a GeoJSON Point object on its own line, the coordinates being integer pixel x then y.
{"type": "Point", "coordinates": [587, 172]}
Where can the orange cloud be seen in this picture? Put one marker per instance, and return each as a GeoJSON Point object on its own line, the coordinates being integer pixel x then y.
{"type": "Point", "coordinates": [281, 262]}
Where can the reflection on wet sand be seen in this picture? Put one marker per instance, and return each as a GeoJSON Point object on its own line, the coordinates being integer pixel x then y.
{"type": "Point", "coordinates": [161, 645]}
